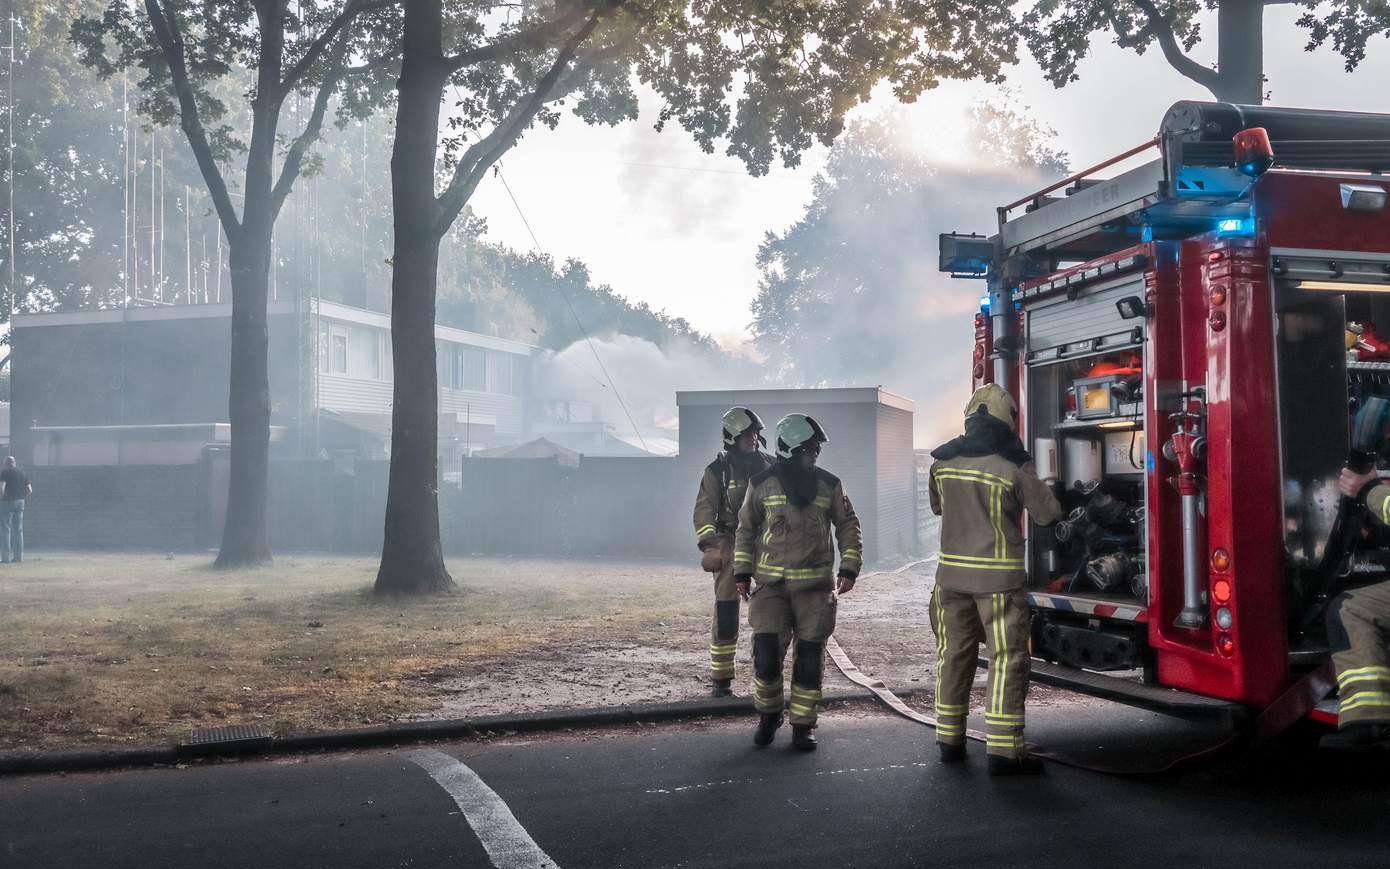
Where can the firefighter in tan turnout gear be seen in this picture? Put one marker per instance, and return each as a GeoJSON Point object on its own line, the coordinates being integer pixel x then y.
{"type": "Point", "coordinates": [784, 542]}
{"type": "Point", "coordinates": [1358, 633]}
{"type": "Point", "coordinates": [722, 488]}
{"type": "Point", "coordinates": [981, 483]}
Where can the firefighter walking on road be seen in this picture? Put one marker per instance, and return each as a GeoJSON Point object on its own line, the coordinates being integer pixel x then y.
{"type": "Point", "coordinates": [784, 542]}
{"type": "Point", "coordinates": [980, 484]}
{"type": "Point", "coordinates": [1358, 633]}
{"type": "Point", "coordinates": [722, 488]}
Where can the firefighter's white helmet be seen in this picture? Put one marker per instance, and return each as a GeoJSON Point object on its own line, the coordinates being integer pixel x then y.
{"type": "Point", "coordinates": [738, 421]}
{"type": "Point", "coordinates": [796, 430]}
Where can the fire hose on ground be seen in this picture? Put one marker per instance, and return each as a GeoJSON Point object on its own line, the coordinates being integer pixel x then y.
{"type": "Point", "coordinates": [1284, 713]}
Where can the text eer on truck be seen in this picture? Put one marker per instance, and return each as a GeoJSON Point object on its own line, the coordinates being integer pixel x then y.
{"type": "Point", "coordinates": [1189, 341]}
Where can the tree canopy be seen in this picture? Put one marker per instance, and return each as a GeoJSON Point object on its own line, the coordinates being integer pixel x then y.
{"type": "Point", "coordinates": [1060, 34]}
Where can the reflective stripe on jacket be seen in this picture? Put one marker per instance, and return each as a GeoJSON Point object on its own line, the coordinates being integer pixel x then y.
{"type": "Point", "coordinates": [980, 500]}
{"type": "Point", "coordinates": [780, 542]}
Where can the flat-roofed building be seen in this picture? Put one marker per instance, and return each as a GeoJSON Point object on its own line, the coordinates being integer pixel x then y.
{"type": "Point", "coordinates": [870, 449]}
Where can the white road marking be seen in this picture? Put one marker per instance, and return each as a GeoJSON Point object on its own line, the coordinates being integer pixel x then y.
{"type": "Point", "coordinates": [749, 781]}
{"type": "Point", "coordinates": [507, 843]}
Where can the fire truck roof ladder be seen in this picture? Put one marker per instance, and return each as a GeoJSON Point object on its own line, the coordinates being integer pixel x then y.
{"type": "Point", "coordinates": [1191, 185]}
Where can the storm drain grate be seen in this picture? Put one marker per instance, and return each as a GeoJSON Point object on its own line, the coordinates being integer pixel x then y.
{"type": "Point", "coordinates": [233, 737]}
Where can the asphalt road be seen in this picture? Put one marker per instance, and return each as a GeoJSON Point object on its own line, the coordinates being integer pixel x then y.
{"type": "Point", "coordinates": [702, 795]}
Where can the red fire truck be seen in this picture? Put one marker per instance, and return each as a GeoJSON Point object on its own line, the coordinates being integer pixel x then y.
{"type": "Point", "coordinates": [1187, 340]}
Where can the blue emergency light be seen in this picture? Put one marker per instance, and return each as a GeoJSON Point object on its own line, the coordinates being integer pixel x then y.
{"type": "Point", "coordinates": [984, 303]}
{"type": "Point", "coordinates": [1236, 226]}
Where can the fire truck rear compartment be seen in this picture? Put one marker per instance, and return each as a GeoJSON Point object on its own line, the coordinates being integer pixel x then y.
{"type": "Point", "coordinates": [1085, 424]}
{"type": "Point", "coordinates": [1330, 360]}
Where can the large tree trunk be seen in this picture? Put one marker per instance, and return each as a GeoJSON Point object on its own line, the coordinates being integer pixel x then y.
{"type": "Point", "coordinates": [245, 541]}
{"type": "Point", "coordinates": [1240, 52]}
{"type": "Point", "coordinates": [412, 561]}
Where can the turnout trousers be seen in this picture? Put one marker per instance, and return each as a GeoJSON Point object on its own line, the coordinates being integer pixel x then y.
{"type": "Point", "coordinates": [776, 613]}
{"type": "Point", "coordinates": [1358, 631]}
{"type": "Point", "coordinates": [723, 640]}
{"type": "Point", "coordinates": [961, 621]}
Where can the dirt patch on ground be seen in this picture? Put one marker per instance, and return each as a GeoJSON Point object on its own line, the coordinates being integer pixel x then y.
{"type": "Point", "coordinates": [132, 648]}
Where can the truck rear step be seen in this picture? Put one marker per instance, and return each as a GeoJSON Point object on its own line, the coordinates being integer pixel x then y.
{"type": "Point", "coordinates": [1181, 704]}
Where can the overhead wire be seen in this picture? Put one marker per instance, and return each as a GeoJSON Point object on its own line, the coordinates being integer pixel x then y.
{"type": "Point", "coordinates": [497, 170]}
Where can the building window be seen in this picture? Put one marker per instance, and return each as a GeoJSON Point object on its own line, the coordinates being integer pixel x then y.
{"type": "Point", "coordinates": [388, 365]}
{"type": "Point", "coordinates": [503, 374]}
{"type": "Point", "coordinates": [475, 369]}
{"type": "Point", "coordinates": [374, 356]}
{"type": "Point", "coordinates": [337, 349]}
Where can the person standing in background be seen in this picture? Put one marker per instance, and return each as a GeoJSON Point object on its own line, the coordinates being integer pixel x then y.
{"type": "Point", "coordinates": [14, 488]}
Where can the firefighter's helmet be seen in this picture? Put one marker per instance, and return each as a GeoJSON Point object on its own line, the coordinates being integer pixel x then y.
{"type": "Point", "coordinates": [797, 430]}
{"type": "Point", "coordinates": [996, 401]}
{"type": "Point", "coordinates": [739, 421]}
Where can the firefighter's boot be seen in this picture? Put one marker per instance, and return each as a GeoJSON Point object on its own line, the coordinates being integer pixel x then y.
{"type": "Point", "coordinates": [951, 753]}
{"type": "Point", "coordinates": [803, 737]}
{"type": "Point", "coordinates": [722, 687]}
{"type": "Point", "coordinates": [1361, 736]}
{"type": "Point", "coordinates": [1026, 765]}
{"type": "Point", "coordinates": [768, 723]}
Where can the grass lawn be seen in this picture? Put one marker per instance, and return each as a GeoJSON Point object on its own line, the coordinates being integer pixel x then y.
{"type": "Point", "coordinates": [120, 648]}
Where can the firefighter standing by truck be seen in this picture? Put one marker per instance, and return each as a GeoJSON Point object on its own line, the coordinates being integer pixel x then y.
{"type": "Point", "coordinates": [784, 541]}
{"type": "Point", "coordinates": [1358, 632]}
{"type": "Point", "coordinates": [722, 488]}
{"type": "Point", "coordinates": [981, 483]}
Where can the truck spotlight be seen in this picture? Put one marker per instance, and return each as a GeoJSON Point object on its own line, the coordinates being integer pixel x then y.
{"type": "Point", "coordinates": [1223, 618]}
{"type": "Point", "coordinates": [1363, 197]}
{"type": "Point", "coordinates": [1253, 152]}
{"type": "Point", "coordinates": [1132, 307]}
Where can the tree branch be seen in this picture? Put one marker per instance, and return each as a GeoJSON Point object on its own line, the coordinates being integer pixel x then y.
{"type": "Point", "coordinates": [536, 37]}
{"type": "Point", "coordinates": [294, 158]}
{"type": "Point", "coordinates": [479, 157]}
{"type": "Point", "coordinates": [320, 45]}
{"type": "Point", "coordinates": [170, 40]}
{"type": "Point", "coordinates": [372, 65]}
{"type": "Point", "coordinates": [1162, 31]}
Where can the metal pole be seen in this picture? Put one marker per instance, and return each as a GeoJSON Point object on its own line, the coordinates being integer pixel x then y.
{"type": "Point", "coordinates": [125, 192]}
{"type": "Point", "coordinates": [187, 250]}
{"type": "Point", "coordinates": [9, 134]}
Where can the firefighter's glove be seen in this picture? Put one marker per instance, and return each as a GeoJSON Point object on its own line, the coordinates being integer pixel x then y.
{"type": "Point", "coordinates": [713, 560]}
{"type": "Point", "coordinates": [846, 583]}
{"type": "Point", "coordinates": [743, 583]}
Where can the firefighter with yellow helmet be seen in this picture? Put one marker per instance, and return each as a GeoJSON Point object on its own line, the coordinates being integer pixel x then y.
{"type": "Point", "coordinates": [784, 542]}
{"type": "Point", "coordinates": [981, 483]}
{"type": "Point", "coordinates": [722, 488]}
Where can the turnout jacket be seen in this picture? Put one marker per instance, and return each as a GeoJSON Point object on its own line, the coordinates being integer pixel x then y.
{"type": "Point", "coordinates": [981, 500]}
{"type": "Point", "coordinates": [1376, 496]}
{"type": "Point", "coordinates": [780, 542]}
{"type": "Point", "coordinates": [718, 501]}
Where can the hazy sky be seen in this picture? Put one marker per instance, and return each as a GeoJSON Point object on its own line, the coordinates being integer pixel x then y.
{"type": "Point", "coordinates": [666, 224]}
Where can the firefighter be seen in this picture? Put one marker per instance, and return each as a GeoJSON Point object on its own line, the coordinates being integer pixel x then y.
{"type": "Point", "coordinates": [783, 541]}
{"type": "Point", "coordinates": [980, 485]}
{"type": "Point", "coordinates": [1358, 632]}
{"type": "Point", "coordinates": [716, 517]}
